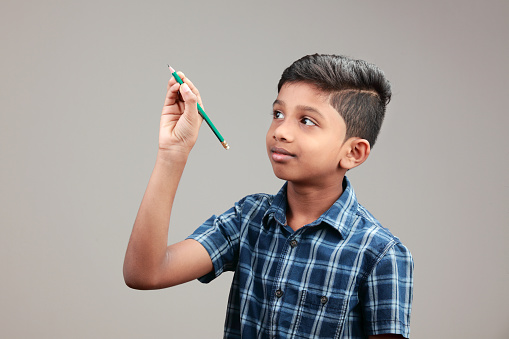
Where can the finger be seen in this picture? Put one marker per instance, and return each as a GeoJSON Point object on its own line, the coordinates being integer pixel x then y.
{"type": "Point", "coordinates": [193, 89]}
{"type": "Point", "coordinates": [174, 93]}
{"type": "Point", "coordinates": [171, 98]}
{"type": "Point", "coordinates": [189, 97]}
{"type": "Point", "coordinates": [171, 93]}
{"type": "Point", "coordinates": [191, 85]}
{"type": "Point", "coordinates": [191, 109]}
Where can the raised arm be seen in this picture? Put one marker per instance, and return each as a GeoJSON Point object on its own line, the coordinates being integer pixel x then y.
{"type": "Point", "coordinates": [149, 262]}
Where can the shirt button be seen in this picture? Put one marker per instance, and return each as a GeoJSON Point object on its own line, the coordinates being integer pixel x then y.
{"type": "Point", "coordinates": [294, 243]}
{"type": "Point", "coordinates": [324, 300]}
{"type": "Point", "coordinates": [279, 293]}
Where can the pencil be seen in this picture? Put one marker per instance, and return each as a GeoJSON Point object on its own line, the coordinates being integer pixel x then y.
{"type": "Point", "coordinates": [202, 113]}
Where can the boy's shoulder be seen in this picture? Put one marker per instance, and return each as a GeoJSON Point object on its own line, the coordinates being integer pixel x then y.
{"type": "Point", "coordinates": [368, 229]}
{"type": "Point", "coordinates": [253, 209]}
{"type": "Point", "coordinates": [264, 199]}
{"type": "Point", "coordinates": [262, 203]}
{"type": "Point", "coordinates": [369, 224]}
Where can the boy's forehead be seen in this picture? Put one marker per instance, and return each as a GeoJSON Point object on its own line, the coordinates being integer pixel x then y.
{"type": "Point", "coordinates": [302, 94]}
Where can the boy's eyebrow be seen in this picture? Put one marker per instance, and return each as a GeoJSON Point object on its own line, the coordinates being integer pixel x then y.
{"type": "Point", "coordinates": [300, 107]}
{"type": "Point", "coordinates": [278, 102]}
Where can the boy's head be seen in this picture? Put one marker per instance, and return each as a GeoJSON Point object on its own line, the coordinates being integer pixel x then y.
{"type": "Point", "coordinates": [358, 90]}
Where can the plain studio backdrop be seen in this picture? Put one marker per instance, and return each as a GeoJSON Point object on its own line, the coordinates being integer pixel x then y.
{"type": "Point", "coordinates": [81, 90]}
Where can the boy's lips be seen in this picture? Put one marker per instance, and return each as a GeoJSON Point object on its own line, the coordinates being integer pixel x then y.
{"type": "Point", "coordinates": [280, 154]}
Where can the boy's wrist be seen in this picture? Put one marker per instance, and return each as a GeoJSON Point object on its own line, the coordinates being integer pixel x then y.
{"type": "Point", "coordinates": [177, 155]}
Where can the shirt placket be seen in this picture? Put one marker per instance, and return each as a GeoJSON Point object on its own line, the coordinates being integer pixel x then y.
{"type": "Point", "coordinates": [285, 264]}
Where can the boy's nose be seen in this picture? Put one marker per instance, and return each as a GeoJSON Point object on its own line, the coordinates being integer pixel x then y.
{"type": "Point", "coordinates": [284, 132]}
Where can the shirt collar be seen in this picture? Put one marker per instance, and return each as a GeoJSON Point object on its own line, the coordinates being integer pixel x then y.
{"type": "Point", "coordinates": [340, 215]}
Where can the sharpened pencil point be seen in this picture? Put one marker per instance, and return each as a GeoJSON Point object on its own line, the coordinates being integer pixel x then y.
{"type": "Point", "coordinates": [171, 69]}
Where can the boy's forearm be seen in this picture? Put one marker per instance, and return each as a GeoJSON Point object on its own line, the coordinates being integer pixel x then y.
{"type": "Point", "coordinates": [146, 251]}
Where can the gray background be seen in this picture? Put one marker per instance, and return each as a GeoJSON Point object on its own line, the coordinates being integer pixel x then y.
{"type": "Point", "coordinates": [82, 86]}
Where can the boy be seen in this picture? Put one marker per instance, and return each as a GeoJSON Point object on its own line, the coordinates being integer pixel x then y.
{"type": "Point", "coordinates": [309, 262]}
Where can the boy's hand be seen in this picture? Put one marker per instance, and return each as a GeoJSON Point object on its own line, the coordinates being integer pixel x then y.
{"type": "Point", "coordinates": [180, 120]}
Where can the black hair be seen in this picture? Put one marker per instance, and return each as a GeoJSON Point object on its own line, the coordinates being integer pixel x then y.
{"type": "Point", "coordinates": [358, 90]}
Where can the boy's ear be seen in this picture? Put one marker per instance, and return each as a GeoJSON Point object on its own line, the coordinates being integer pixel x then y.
{"type": "Point", "coordinates": [357, 151]}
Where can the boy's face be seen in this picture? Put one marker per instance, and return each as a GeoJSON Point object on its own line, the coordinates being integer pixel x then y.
{"type": "Point", "coordinates": [305, 140]}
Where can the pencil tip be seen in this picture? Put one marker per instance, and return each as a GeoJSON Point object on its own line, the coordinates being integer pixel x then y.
{"type": "Point", "coordinates": [171, 69]}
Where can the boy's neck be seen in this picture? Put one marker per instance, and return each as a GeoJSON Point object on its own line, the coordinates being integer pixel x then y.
{"type": "Point", "coordinates": [306, 203]}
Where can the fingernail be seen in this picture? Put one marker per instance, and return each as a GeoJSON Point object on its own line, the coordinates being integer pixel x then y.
{"type": "Point", "coordinates": [184, 87]}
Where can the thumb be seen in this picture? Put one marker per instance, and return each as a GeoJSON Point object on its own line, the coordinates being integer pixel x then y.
{"type": "Point", "coordinates": [189, 97]}
{"type": "Point", "coordinates": [191, 102]}
{"type": "Point", "coordinates": [191, 117]}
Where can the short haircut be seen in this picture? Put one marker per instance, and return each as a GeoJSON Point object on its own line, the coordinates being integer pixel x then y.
{"type": "Point", "coordinates": [357, 89]}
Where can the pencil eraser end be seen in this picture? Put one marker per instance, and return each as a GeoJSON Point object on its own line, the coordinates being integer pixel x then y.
{"type": "Point", "coordinates": [225, 145]}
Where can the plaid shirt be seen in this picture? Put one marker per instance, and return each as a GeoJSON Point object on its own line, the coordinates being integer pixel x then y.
{"type": "Point", "coordinates": [342, 276]}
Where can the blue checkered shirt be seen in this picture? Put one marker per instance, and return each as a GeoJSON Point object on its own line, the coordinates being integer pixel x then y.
{"type": "Point", "coordinates": [342, 276]}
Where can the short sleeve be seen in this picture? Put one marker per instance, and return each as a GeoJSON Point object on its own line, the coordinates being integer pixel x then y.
{"type": "Point", "coordinates": [220, 237]}
{"type": "Point", "coordinates": [386, 295]}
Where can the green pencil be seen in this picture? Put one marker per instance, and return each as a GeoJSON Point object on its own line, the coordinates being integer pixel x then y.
{"type": "Point", "coordinates": [202, 113]}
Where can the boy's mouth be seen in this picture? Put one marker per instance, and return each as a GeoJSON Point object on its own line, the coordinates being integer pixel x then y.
{"type": "Point", "coordinates": [280, 154]}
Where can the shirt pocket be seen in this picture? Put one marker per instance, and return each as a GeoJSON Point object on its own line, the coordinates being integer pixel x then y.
{"type": "Point", "coordinates": [321, 315]}
{"type": "Point", "coordinates": [318, 315]}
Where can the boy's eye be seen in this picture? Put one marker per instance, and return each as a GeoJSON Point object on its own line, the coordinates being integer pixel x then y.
{"type": "Point", "coordinates": [308, 122]}
{"type": "Point", "coordinates": [278, 115]}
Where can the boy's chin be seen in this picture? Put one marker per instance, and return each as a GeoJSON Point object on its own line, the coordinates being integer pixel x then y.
{"type": "Point", "coordinates": [280, 174]}
{"type": "Point", "coordinates": [286, 176]}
